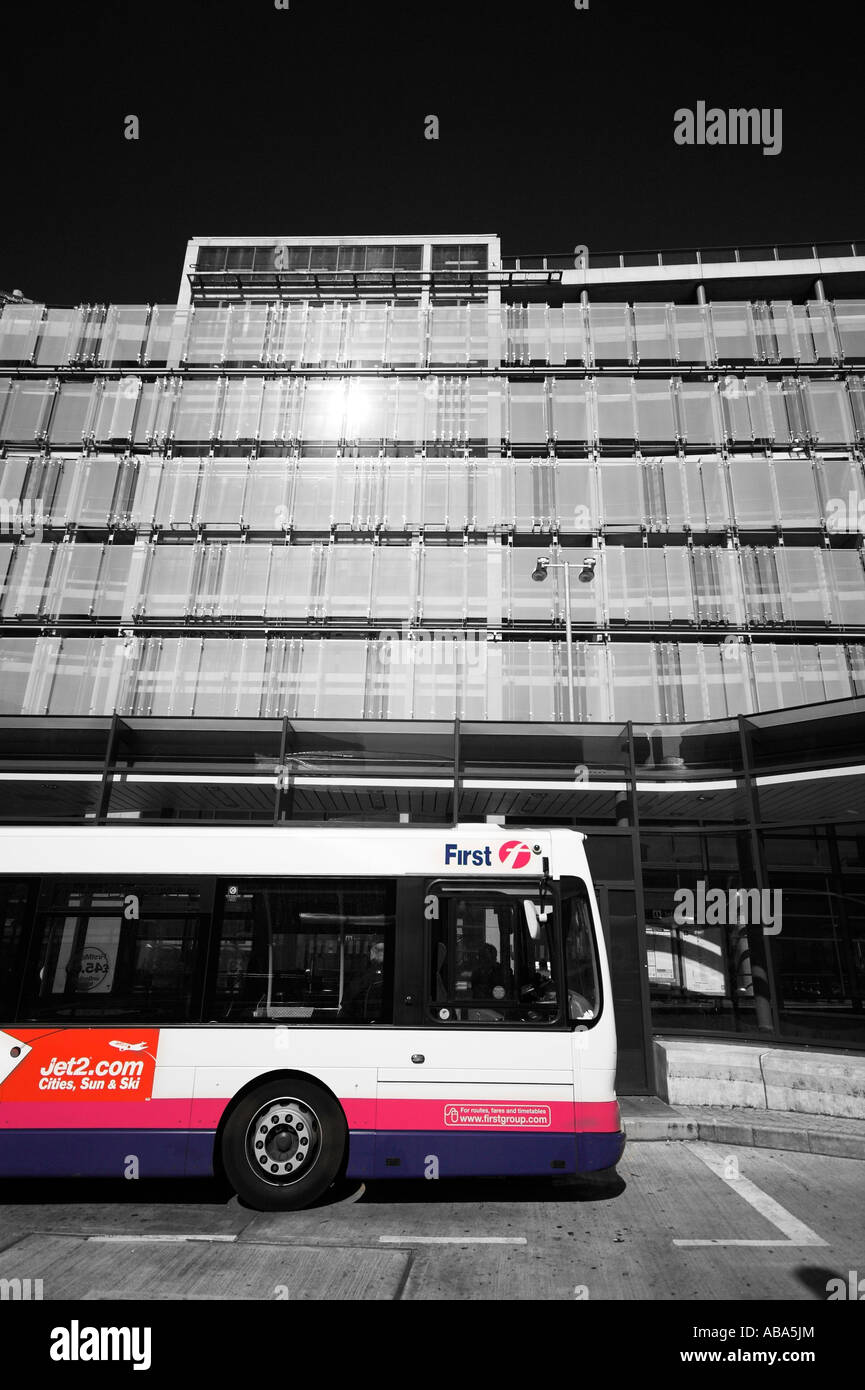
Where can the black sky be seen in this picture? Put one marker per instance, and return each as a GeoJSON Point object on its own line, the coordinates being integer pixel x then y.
{"type": "Point", "coordinates": [556, 127]}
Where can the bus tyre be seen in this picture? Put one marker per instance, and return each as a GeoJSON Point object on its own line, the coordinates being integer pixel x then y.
{"type": "Point", "coordinates": [284, 1144]}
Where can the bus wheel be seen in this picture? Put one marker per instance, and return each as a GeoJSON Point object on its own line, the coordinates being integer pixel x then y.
{"type": "Point", "coordinates": [283, 1145]}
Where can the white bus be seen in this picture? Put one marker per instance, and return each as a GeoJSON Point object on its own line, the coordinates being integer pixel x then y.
{"type": "Point", "coordinates": [287, 1006]}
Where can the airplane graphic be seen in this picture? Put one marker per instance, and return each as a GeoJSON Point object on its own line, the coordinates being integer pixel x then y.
{"type": "Point", "coordinates": [128, 1047]}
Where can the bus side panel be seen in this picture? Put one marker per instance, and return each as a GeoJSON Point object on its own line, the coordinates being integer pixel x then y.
{"type": "Point", "coordinates": [90, 1153]}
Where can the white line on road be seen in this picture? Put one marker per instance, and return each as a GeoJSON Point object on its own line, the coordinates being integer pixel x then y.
{"type": "Point", "coordinates": [154, 1239]}
{"type": "Point", "coordinates": [794, 1231]}
{"type": "Point", "coordinates": [453, 1240]}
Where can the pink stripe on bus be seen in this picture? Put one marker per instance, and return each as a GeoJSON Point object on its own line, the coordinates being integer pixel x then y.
{"type": "Point", "coordinates": [121, 1114]}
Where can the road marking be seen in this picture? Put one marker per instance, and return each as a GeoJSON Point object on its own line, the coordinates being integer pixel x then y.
{"type": "Point", "coordinates": [154, 1239]}
{"type": "Point", "coordinates": [794, 1231]}
{"type": "Point", "coordinates": [453, 1240]}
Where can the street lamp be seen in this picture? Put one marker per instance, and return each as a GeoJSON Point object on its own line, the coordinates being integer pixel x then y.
{"type": "Point", "coordinates": [588, 563]}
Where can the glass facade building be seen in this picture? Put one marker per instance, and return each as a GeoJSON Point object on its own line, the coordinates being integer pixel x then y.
{"type": "Point", "coordinates": [268, 553]}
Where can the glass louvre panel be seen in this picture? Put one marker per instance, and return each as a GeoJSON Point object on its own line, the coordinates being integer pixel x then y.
{"type": "Point", "coordinates": [314, 502]}
{"type": "Point", "coordinates": [458, 496]}
{"type": "Point", "coordinates": [366, 333]}
{"type": "Point", "coordinates": [348, 581]}
{"type": "Point", "coordinates": [72, 411]}
{"type": "Point", "coordinates": [222, 492]}
{"type": "Point", "coordinates": [169, 582]}
{"type": "Point", "coordinates": [856, 387]}
{"type": "Point", "coordinates": [479, 321]}
{"type": "Point", "coordinates": [115, 410]}
{"type": "Point", "coordinates": [407, 403]}
{"type": "Point", "coordinates": [827, 409]}
{"type": "Point", "coordinates": [735, 409]}
{"type": "Point", "coordinates": [403, 490]}
{"type": "Point", "coordinates": [166, 334]}
{"type": "Point", "coordinates": [346, 492]}
{"type": "Point", "coordinates": [241, 408]}
{"type": "Point", "coordinates": [172, 683]}
{"type": "Point", "coordinates": [245, 576]}
{"type": "Point", "coordinates": [29, 580]}
{"type": "Point", "coordinates": [13, 477]}
{"type": "Point", "coordinates": [434, 477]}
{"type": "Point", "coordinates": [843, 492]}
{"type": "Point", "coordinates": [366, 411]}
{"type": "Point", "coordinates": [476, 581]}
{"type": "Point", "coordinates": [58, 337]}
{"type": "Point", "coordinates": [98, 485]}
{"type": "Point", "coordinates": [213, 694]}
{"type": "Point", "coordinates": [781, 319]}
{"type": "Point", "coordinates": [324, 330]}
{"type": "Point", "coordinates": [73, 581]}
{"type": "Point", "coordinates": [711, 585]}
{"type": "Point", "coordinates": [621, 492]}
{"type": "Point", "coordinates": [804, 594]}
{"type": "Point", "coordinates": [774, 400]}
{"type": "Point", "coordinates": [267, 495]}
{"type": "Point", "coordinates": [407, 345]}
{"type": "Point", "coordinates": [178, 491]}
{"type": "Point", "coordinates": [680, 590]}
{"type": "Point", "coordinates": [615, 407]}
{"type": "Point", "coordinates": [27, 409]}
{"type": "Point", "coordinates": [280, 411]}
{"type": "Point", "coordinates": [611, 332]}
{"type": "Point", "coordinates": [527, 412]}
{"type": "Point", "coordinates": [323, 412]}
{"type": "Point", "coordinates": [733, 329]}
{"type": "Point", "coordinates": [289, 334]}
{"type": "Point", "coordinates": [691, 337]}
{"type": "Point", "coordinates": [576, 505]}
{"type": "Point", "coordinates": [798, 315]}
{"type": "Point", "coordinates": [822, 331]}
{"type": "Point", "coordinates": [17, 659]}
{"type": "Point", "coordinates": [444, 581]}
{"type": "Point", "coordinates": [67, 478]}
{"type": "Point", "coordinates": [485, 414]}
{"type": "Point", "coordinates": [700, 412]}
{"type": "Point", "coordinates": [292, 587]}
{"type": "Point", "coordinates": [205, 343]}
{"type": "Point", "coordinates": [576, 348]}
{"type": "Point", "coordinates": [797, 493]}
{"type": "Point", "coordinates": [833, 667]}
{"type": "Point", "coordinates": [754, 501]}
{"type": "Point", "coordinates": [332, 680]}
{"type": "Point", "coordinates": [147, 486]}
{"type": "Point", "coordinates": [526, 600]}
{"type": "Point", "coordinates": [5, 388]}
{"type": "Point", "coordinates": [634, 687]}
{"type": "Point", "coordinates": [847, 585]}
{"type": "Point", "coordinates": [434, 689]}
{"type": "Point", "coordinates": [654, 333]}
{"type": "Point", "coordinates": [761, 585]}
{"type": "Point", "coordinates": [850, 318]}
{"type": "Point", "coordinates": [119, 581]}
{"type": "Point", "coordinates": [448, 334]}
{"type": "Point", "coordinates": [627, 583]}
{"type": "Point", "coordinates": [529, 682]}
{"type": "Point", "coordinates": [247, 332]}
{"type": "Point", "coordinates": [776, 675]}
{"type": "Point", "coordinates": [674, 502]}
{"type": "Point", "coordinates": [394, 582]}
{"type": "Point", "coordinates": [149, 397]}
{"type": "Point", "coordinates": [19, 328]}
{"type": "Point", "coordinates": [195, 417]}
{"type": "Point", "coordinates": [655, 419]}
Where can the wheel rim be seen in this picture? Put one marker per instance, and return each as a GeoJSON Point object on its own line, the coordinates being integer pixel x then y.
{"type": "Point", "coordinates": [283, 1141]}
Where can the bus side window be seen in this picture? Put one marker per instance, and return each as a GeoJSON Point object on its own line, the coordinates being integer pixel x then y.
{"type": "Point", "coordinates": [487, 966]}
{"type": "Point", "coordinates": [580, 963]}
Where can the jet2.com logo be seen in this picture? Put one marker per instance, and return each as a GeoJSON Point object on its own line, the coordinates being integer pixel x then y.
{"type": "Point", "coordinates": [514, 854]}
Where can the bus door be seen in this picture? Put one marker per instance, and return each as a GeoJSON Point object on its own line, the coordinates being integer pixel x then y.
{"type": "Point", "coordinates": [482, 1082]}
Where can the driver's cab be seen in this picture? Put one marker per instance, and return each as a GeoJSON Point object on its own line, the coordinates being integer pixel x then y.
{"type": "Point", "coordinates": [511, 953]}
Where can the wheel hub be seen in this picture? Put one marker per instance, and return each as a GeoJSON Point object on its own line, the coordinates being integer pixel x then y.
{"type": "Point", "coordinates": [283, 1140]}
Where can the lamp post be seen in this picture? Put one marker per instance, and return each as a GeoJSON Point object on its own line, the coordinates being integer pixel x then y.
{"type": "Point", "coordinates": [588, 562]}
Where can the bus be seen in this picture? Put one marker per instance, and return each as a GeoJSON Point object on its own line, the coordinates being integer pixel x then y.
{"type": "Point", "coordinates": [287, 1007]}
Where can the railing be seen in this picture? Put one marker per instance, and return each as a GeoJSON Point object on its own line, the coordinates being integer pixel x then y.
{"type": "Point", "coordinates": [688, 256]}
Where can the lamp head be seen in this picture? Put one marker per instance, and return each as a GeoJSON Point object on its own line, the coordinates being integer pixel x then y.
{"type": "Point", "coordinates": [587, 572]}
{"type": "Point", "coordinates": [540, 570]}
